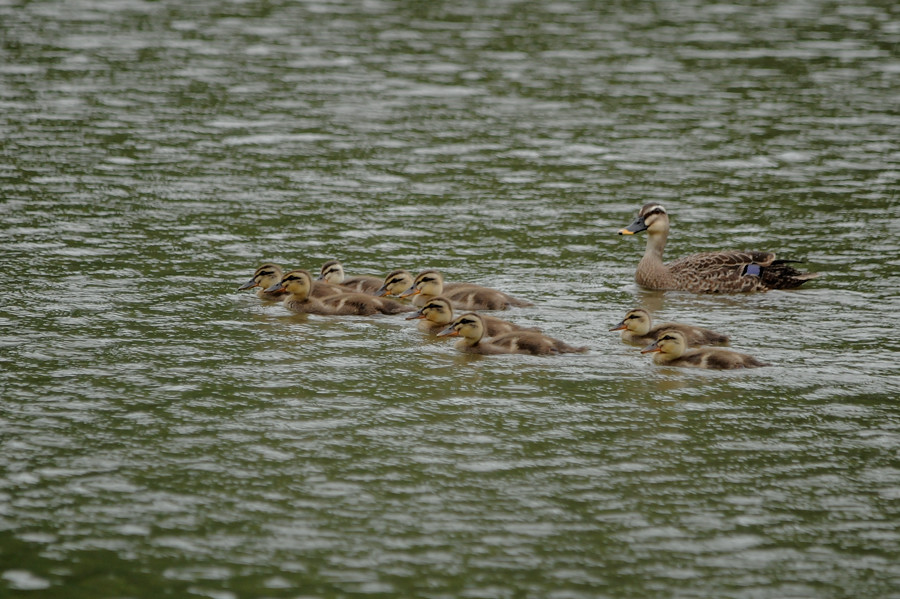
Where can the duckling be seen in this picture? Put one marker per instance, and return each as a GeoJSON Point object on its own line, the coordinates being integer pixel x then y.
{"type": "Point", "coordinates": [437, 313]}
{"type": "Point", "coordinates": [465, 296]}
{"type": "Point", "coordinates": [264, 277]}
{"type": "Point", "coordinates": [333, 272]}
{"type": "Point", "coordinates": [298, 283]}
{"type": "Point", "coordinates": [637, 329]}
{"type": "Point", "coordinates": [395, 283]}
{"type": "Point", "coordinates": [708, 272]}
{"type": "Point", "coordinates": [671, 350]}
{"type": "Point", "coordinates": [471, 328]}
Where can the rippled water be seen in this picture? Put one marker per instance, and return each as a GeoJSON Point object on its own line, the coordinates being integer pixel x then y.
{"type": "Point", "coordinates": [163, 433]}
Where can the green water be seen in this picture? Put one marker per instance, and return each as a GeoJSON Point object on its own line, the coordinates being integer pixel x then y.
{"type": "Point", "coordinates": [163, 434]}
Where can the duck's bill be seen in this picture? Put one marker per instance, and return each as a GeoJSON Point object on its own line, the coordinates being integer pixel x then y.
{"type": "Point", "coordinates": [275, 288]}
{"type": "Point", "coordinates": [409, 292]}
{"type": "Point", "coordinates": [653, 347]}
{"type": "Point", "coordinates": [448, 332]}
{"type": "Point", "coordinates": [619, 326]}
{"type": "Point", "coordinates": [415, 315]}
{"type": "Point", "coordinates": [636, 227]}
{"type": "Point", "coordinates": [248, 285]}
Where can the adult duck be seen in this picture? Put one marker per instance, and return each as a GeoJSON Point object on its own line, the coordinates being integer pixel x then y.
{"type": "Point", "coordinates": [708, 272]}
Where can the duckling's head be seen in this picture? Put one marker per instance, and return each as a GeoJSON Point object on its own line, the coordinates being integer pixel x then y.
{"type": "Point", "coordinates": [637, 321]}
{"type": "Point", "coordinates": [395, 283]}
{"type": "Point", "coordinates": [265, 276]}
{"type": "Point", "coordinates": [671, 344]}
{"type": "Point", "coordinates": [295, 282]}
{"type": "Point", "coordinates": [469, 326]}
{"type": "Point", "coordinates": [652, 218]}
{"type": "Point", "coordinates": [438, 310]}
{"type": "Point", "coordinates": [428, 282]}
{"type": "Point", "coordinates": [332, 272]}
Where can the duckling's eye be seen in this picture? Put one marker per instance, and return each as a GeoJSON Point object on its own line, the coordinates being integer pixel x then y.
{"type": "Point", "coordinates": [428, 280]}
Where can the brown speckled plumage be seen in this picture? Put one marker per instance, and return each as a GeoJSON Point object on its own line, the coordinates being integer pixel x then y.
{"type": "Point", "coordinates": [708, 272]}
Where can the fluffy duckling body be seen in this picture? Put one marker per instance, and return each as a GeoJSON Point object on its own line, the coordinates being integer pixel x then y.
{"type": "Point", "coordinates": [637, 329]}
{"type": "Point", "coordinates": [264, 277]}
{"type": "Point", "coordinates": [333, 272]}
{"type": "Point", "coordinates": [464, 296]}
{"type": "Point", "coordinates": [472, 329]}
{"type": "Point", "coordinates": [299, 283]}
{"type": "Point", "coordinates": [671, 349]}
{"type": "Point", "coordinates": [708, 272]}
{"type": "Point", "coordinates": [437, 314]}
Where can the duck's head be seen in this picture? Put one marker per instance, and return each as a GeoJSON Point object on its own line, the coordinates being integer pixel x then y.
{"type": "Point", "coordinates": [637, 321]}
{"type": "Point", "coordinates": [429, 282]}
{"type": "Point", "coordinates": [469, 326]}
{"type": "Point", "coordinates": [652, 218]}
{"type": "Point", "coordinates": [670, 344]}
{"type": "Point", "coordinates": [265, 276]}
{"type": "Point", "coordinates": [332, 272]}
{"type": "Point", "coordinates": [395, 283]}
{"type": "Point", "coordinates": [295, 282]}
{"type": "Point", "coordinates": [438, 310]}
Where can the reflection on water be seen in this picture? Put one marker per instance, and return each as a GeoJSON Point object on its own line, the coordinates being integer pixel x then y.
{"type": "Point", "coordinates": [163, 432]}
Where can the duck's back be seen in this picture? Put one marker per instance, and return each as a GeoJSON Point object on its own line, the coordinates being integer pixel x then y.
{"type": "Point", "coordinates": [497, 326]}
{"type": "Point", "coordinates": [363, 305]}
{"type": "Point", "coordinates": [716, 359]}
{"type": "Point", "coordinates": [735, 272]}
{"type": "Point", "coordinates": [530, 342]}
{"type": "Point", "coordinates": [474, 297]}
{"type": "Point", "coordinates": [362, 284]}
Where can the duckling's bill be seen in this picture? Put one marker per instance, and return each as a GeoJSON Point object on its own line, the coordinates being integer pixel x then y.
{"type": "Point", "coordinates": [652, 348]}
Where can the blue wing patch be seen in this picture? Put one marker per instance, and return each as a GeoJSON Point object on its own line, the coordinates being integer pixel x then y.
{"type": "Point", "coordinates": [753, 270]}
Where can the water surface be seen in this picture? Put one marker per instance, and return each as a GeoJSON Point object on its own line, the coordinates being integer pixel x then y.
{"type": "Point", "coordinates": [163, 433]}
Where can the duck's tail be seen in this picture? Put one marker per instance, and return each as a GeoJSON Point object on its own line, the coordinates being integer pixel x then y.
{"type": "Point", "coordinates": [781, 275]}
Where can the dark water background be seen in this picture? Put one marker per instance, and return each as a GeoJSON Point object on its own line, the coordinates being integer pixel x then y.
{"type": "Point", "coordinates": [162, 434]}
